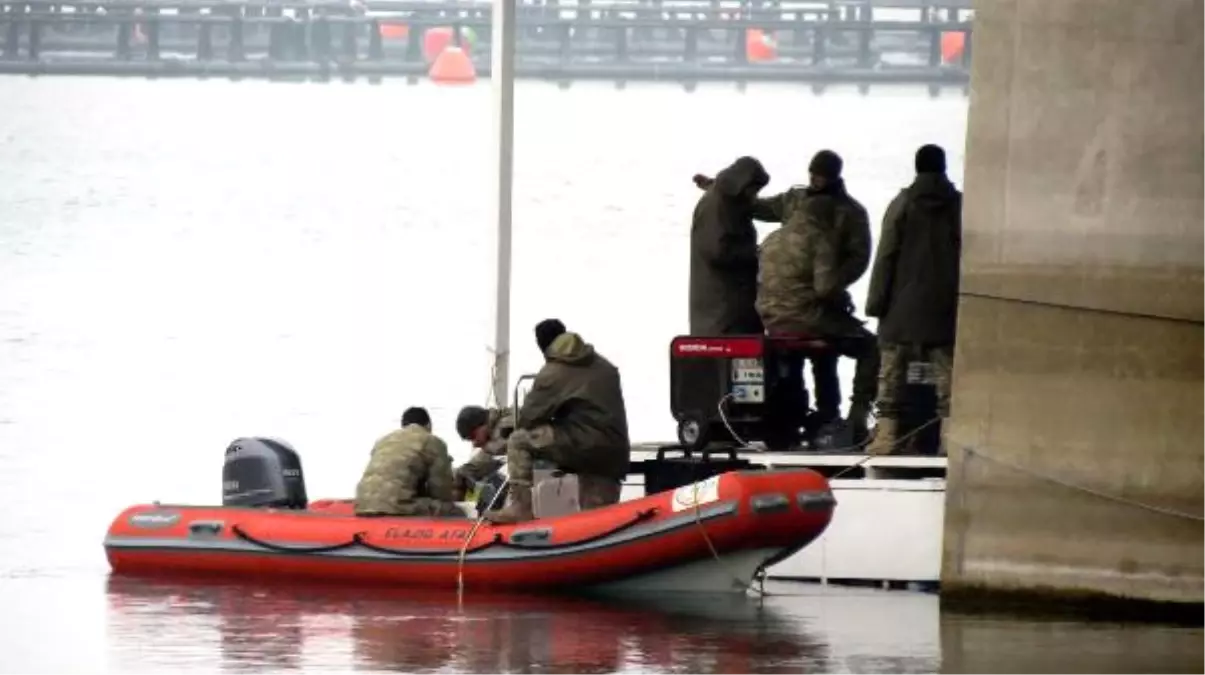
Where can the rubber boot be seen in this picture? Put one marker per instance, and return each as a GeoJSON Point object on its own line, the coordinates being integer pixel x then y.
{"type": "Point", "coordinates": [517, 509]}
{"type": "Point", "coordinates": [886, 436]}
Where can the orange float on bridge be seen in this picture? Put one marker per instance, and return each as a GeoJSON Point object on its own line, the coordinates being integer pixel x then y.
{"type": "Point", "coordinates": [953, 45]}
{"type": "Point", "coordinates": [759, 47]}
{"type": "Point", "coordinates": [394, 30]}
{"type": "Point", "coordinates": [453, 66]}
{"type": "Point", "coordinates": [437, 39]}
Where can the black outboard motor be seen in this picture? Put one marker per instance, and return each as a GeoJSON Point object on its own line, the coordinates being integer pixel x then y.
{"type": "Point", "coordinates": [264, 473]}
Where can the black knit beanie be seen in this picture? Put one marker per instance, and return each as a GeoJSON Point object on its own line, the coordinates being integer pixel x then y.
{"type": "Point", "coordinates": [416, 415]}
{"type": "Point", "coordinates": [930, 159]}
{"type": "Point", "coordinates": [471, 417]}
{"type": "Point", "coordinates": [547, 331]}
{"type": "Point", "coordinates": [826, 164]}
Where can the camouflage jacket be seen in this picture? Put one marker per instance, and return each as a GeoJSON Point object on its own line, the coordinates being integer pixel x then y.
{"type": "Point", "coordinates": [807, 265]}
{"type": "Point", "coordinates": [406, 465]}
{"type": "Point", "coordinates": [484, 461]}
{"type": "Point", "coordinates": [850, 226]}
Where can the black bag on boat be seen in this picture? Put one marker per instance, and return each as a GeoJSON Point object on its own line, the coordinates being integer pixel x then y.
{"type": "Point", "coordinates": [490, 487]}
{"type": "Point", "coordinates": [666, 473]}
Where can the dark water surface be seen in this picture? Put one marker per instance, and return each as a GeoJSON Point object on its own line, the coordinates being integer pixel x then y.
{"type": "Point", "coordinates": [183, 263]}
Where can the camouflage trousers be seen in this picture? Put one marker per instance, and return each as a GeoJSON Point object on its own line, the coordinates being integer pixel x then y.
{"type": "Point", "coordinates": [893, 375]}
{"type": "Point", "coordinates": [863, 348]}
{"type": "Point", "coordinates": [527, 446]}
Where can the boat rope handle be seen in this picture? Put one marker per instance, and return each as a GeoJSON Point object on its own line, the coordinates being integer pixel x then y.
{"type": "Point", "coordinates": [640, 517]}
{"type": "Point", "coordinates": [358, 538]}
{"type": "Point", "coordinates": [238, 532]}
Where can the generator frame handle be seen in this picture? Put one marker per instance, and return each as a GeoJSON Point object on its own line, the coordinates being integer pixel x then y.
{"type": "Point", "coordinates": [515, 393]}
{"type": "Point", "coordinates": [687, 452]}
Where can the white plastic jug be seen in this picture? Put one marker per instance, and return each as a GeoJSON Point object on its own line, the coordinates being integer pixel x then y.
{"type": "Point", "coordinates": [553, 496]}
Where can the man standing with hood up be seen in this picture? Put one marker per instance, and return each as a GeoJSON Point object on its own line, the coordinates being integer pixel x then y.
{"type": "Point", "coordinates": [723, 252]}
{"type": "Point", "coordinates": [574, 416]}
{"type": "Point", "coordinates": [914, 289]}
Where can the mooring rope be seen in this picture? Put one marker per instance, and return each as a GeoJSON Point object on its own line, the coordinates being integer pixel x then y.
{"type": "Point", "coordinates": [971, 452]}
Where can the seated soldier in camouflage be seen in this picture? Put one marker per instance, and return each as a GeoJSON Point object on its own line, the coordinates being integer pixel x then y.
{"type": "Point", "coordinates": [409, 473]}
{"type": "Point", "coordinates": [574, 417]}
{"type": "Point", "coordinates": [800, 292]}
{"type": "Point", "coordinates": [487, 431]}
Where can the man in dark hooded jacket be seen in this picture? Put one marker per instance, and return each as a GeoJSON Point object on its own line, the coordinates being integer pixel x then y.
{"type": "Point", "coordinates": [848, 230]}
{"type": "Point", "coordinates": [914, 289]}
{"type": "Point", "coordinates": [574, 416]}
{"type": "Point", "coordinates": [723, 253]}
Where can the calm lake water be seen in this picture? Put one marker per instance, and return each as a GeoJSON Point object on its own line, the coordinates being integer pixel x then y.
{"type": "Point", "coordinates": [183, 263]}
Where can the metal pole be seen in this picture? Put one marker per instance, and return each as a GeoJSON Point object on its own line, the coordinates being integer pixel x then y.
{"type": "Point", "coordinates": [502, 77]}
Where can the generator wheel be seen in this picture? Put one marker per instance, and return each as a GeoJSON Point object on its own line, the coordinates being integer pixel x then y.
{"type": "Point", "coordinates": [693, 434]}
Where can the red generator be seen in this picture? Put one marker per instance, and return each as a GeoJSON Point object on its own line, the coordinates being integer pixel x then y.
{"type": "Point", "coordinates": [757, 378]}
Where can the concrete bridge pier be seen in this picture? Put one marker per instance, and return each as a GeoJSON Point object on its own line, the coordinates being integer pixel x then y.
{"type": "Point", "coordinates": [1078, 370]}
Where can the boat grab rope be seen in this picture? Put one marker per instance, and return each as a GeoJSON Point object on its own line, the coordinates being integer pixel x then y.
{"type": "Point", "coordinates": [238, 532]}
{"type": "Point", "coordinates": [971, 452]}
{"type": "Point", "coordinates": [359, 539]}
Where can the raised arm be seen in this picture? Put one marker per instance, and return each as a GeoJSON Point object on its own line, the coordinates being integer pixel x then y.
{"type": "Point", "coordinates": [770, 209]}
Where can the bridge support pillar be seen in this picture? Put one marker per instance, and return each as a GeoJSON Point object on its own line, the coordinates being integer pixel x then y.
{"type": "Point", "coordinates": [1078, 370]}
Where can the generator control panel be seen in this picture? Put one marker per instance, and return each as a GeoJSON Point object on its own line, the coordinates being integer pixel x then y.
{"type": "Point", "coordinates": [748, 381]}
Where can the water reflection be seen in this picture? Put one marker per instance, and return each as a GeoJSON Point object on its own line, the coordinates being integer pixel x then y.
{"type": "Point", "coordinates": [1011, 644]}
{"type": "Point", "coordinates": [156, 625]}
{"type": "Point", "coordinates": [283, 628]}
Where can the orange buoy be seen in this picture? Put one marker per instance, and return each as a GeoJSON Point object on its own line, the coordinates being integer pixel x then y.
{"type": "Point", "coordinates": [453, 66]}
{"type": "Point", "coordinates": [759, 47]}
{"type": "Point", "coordinates": [952, 45]}
{"type": "Point", "coordinates": [438, 38]}
{"type": "Point", "coordinates": [394, 31]}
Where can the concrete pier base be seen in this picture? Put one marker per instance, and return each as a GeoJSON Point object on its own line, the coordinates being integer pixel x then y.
{"type": "Point", "coordinates": [1078, 370]}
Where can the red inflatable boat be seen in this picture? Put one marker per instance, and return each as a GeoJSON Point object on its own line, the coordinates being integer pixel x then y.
{"type": "Point", "coordinates": [666, 541]}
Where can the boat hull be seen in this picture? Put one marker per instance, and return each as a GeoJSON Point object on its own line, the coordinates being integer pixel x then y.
{"type": "Point", "coordinates": [671, 541]}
